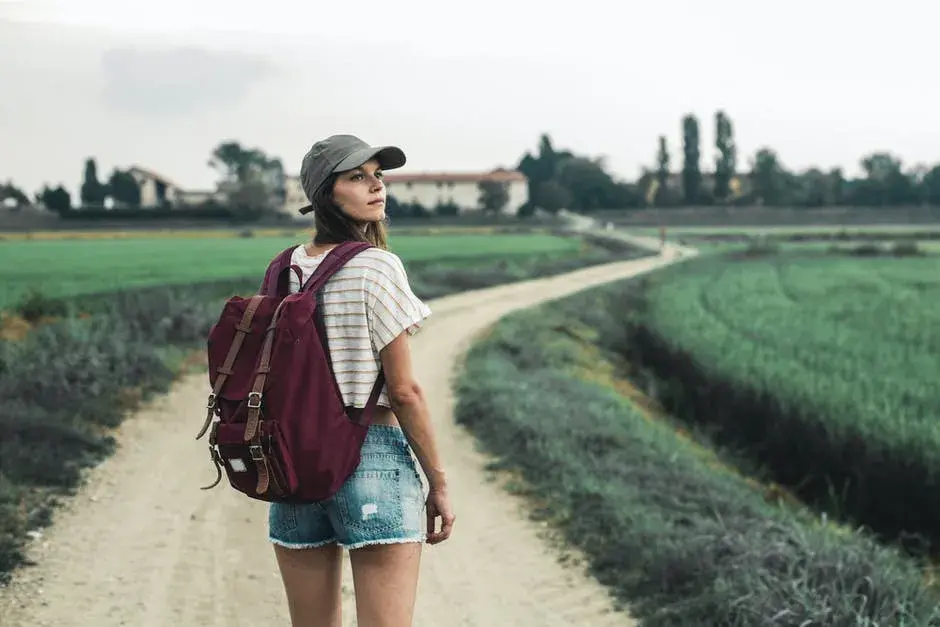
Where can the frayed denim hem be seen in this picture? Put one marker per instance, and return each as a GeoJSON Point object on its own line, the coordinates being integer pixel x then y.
{"type": "Point", "coordinates": [365, 543]}
{"type": "Point", "coordinates": [301, 545]}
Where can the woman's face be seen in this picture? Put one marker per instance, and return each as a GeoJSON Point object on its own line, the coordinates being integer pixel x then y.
{"type": "Point", "coordinates": [360, 193]}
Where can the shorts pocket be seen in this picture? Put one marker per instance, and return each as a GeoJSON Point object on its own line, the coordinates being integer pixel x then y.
{"type": "Point", "coordinates": [370, 501]}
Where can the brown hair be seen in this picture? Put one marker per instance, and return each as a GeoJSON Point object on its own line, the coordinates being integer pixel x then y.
{"type": "Point", "coordinates": [333, 226]}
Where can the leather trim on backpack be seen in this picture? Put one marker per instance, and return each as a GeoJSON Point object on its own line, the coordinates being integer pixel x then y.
{"type": "Point", "coordinates": [243, 329]}
{"type": "Point", "coordinates": [261, 375]}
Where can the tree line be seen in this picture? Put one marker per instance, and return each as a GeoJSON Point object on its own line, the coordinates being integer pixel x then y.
{"type": "Point", "coordinates": [251, 181]}
{"type": "Point", "coordinates": [563, 179]}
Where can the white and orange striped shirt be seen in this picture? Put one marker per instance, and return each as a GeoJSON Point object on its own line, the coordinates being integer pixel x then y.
{"type": "Point", "coordinates": [366, 304]}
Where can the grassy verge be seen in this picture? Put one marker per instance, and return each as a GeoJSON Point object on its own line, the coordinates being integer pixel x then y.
{"type": "Point", "coordinates": [68, 382]}
{"type": "Point", "coordinates": [675, 532]}
{"type": "Point", "coordinates": [65, 385]}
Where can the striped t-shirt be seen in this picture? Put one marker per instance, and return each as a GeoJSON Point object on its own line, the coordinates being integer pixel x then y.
{"type": "Point", "coordinates": [366, 304]}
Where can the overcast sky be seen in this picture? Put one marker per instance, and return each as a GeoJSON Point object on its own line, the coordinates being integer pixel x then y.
{"type": "Point", "coordinates": [459, 86]}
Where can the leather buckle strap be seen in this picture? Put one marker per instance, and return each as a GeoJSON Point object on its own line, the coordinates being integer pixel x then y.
{"type": "Point", "coordinates": [242, 330]}
{"type": "Point", "coordinates": [261, 375]}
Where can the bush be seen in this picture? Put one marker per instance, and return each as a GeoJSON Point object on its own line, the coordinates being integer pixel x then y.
{"type": "Point", "coordinates": [35, 305]}
{"type": "Point", "coordinates": [63, 386]}
{"type": "Point", "coordinates": [906, 249]}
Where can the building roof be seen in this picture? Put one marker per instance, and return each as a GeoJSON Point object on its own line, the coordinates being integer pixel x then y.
{"type": "Point", "coordinates": [501, 176]}
{"type": "Point", "coordinates": [150, 174]}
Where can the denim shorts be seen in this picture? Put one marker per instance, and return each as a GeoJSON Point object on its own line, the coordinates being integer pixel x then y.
{"type": "Point", "coordinates": [382, 502]}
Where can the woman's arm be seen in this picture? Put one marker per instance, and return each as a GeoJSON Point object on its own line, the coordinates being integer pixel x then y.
{"type": "Point", "coordinates": [410, 407]}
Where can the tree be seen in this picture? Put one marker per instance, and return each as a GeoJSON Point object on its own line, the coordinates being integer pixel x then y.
{"type": "Point", "coordinates": [233, 162]}
{"type": "Point", "coordinates": [92, 191]}
{"type": "Point", "coordinates": [662, 170]}
{"type": "Point", "coordinates": [590, 186]}
{"type": "Point", "coordinates": [552, 196]}
{"type": "Point", "coordinates": [124, 189]}
{"type": "Point", "coordinates": [10, 193]}
{"type": "Point", "coordinates": [917, 175]}
{"type": "Point", "coordinates": [560, 179]}
{"type": "Point", "coordinates": [812, 188]}
{"type": "Point", "coordinates": [250, 199]}
{"type": "Point", "coordinates": [691, 171]}
{"type": "Point", "coordinates": [662, 162]}
{"type": "Point", "coordinates": [249, 167]}
{"type": "Point", "coordinates": [494, 195]}
{"type": "Point", "coordinates": [768, 177]}
{"type": "Point", "coordinates": [58, 199]}
{"type": "Point", "coordinates": [885, 183]}
{"type": "Point", "coordinates": [836, 195]}
{"type": "Point", "coordinates": [726, 159]}
{"type": "Point", "coordinates": [931, 184]}
{"type": "Point", "coordinates": [542, 167]}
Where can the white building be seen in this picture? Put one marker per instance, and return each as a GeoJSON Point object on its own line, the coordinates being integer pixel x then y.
{"type": "Point", "coordinates": [191, 197]}
{"type": "Point", "coordinates": [433, 189]}
{"type": "Point", "coordinates": [294, 197]}
{"type": "Point", "coordinates": [155, 189]}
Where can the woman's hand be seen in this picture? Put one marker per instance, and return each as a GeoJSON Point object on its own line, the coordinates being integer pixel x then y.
{"type": "Point", "coordinates": [438, 506]}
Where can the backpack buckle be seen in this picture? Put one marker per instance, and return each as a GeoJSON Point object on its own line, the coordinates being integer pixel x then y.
{"type": "Point", "coordinates": [211, 402]}
{"type": "Point", "coordinates": [257, 454]}
{"type": "Point", "coordinates": [254, 400]}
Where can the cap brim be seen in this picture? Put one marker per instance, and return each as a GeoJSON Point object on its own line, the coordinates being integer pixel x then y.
{"type": "Point", "coordinates": [389, 158]}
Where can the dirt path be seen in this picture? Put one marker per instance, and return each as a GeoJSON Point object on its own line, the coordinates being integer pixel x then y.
{"type": "Point", "coordinates": [141, 545]}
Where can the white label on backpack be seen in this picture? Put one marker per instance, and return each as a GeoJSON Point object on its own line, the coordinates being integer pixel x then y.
{"type": "Point", "coordinates": [237, 464]}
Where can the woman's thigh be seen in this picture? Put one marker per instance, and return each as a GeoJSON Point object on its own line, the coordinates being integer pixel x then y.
{"type": "Point", "coordinates": [313, 584]}
{"type": "Point", "coordinates": [378, 515]}
{"type": "Point", "coordinates": [386, 582]}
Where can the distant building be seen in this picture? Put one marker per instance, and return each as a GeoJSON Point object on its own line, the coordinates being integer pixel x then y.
{"type": "Point", "coordinates": [193, 197]}
{"type": "Point", "coordinates": [461, 189]}
{"type": "Point", "coordinates": [294, 197]}
{"type": "Point", "coordinates": [155, 190]}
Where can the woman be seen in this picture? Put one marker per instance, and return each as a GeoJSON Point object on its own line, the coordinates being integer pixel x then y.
{"type": "Point", "coordinates": [369, 312]}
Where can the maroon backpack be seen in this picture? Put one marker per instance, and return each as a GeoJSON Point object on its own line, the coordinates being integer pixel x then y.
{"type": "Point", "coordinates": [283, 433]}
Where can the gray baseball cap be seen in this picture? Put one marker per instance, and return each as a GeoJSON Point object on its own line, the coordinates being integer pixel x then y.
{"type": "Point", "coordinates": [339, 153]}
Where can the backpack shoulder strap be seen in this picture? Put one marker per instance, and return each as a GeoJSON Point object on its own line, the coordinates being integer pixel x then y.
{"type": "Point", "coordinates": [335, 259]}
{"type": "Point", "coordinates": [271, 284]}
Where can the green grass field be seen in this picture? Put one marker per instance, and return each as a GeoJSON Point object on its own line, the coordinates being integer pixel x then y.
{"type": "Point", "coordinates": [71, 267]}
{"type": "Point", "coordinates": [824, 369]}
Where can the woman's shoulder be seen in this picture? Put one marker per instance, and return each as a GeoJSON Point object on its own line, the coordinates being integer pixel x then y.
{"type": "Point", "coordinates": [379, 260]}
